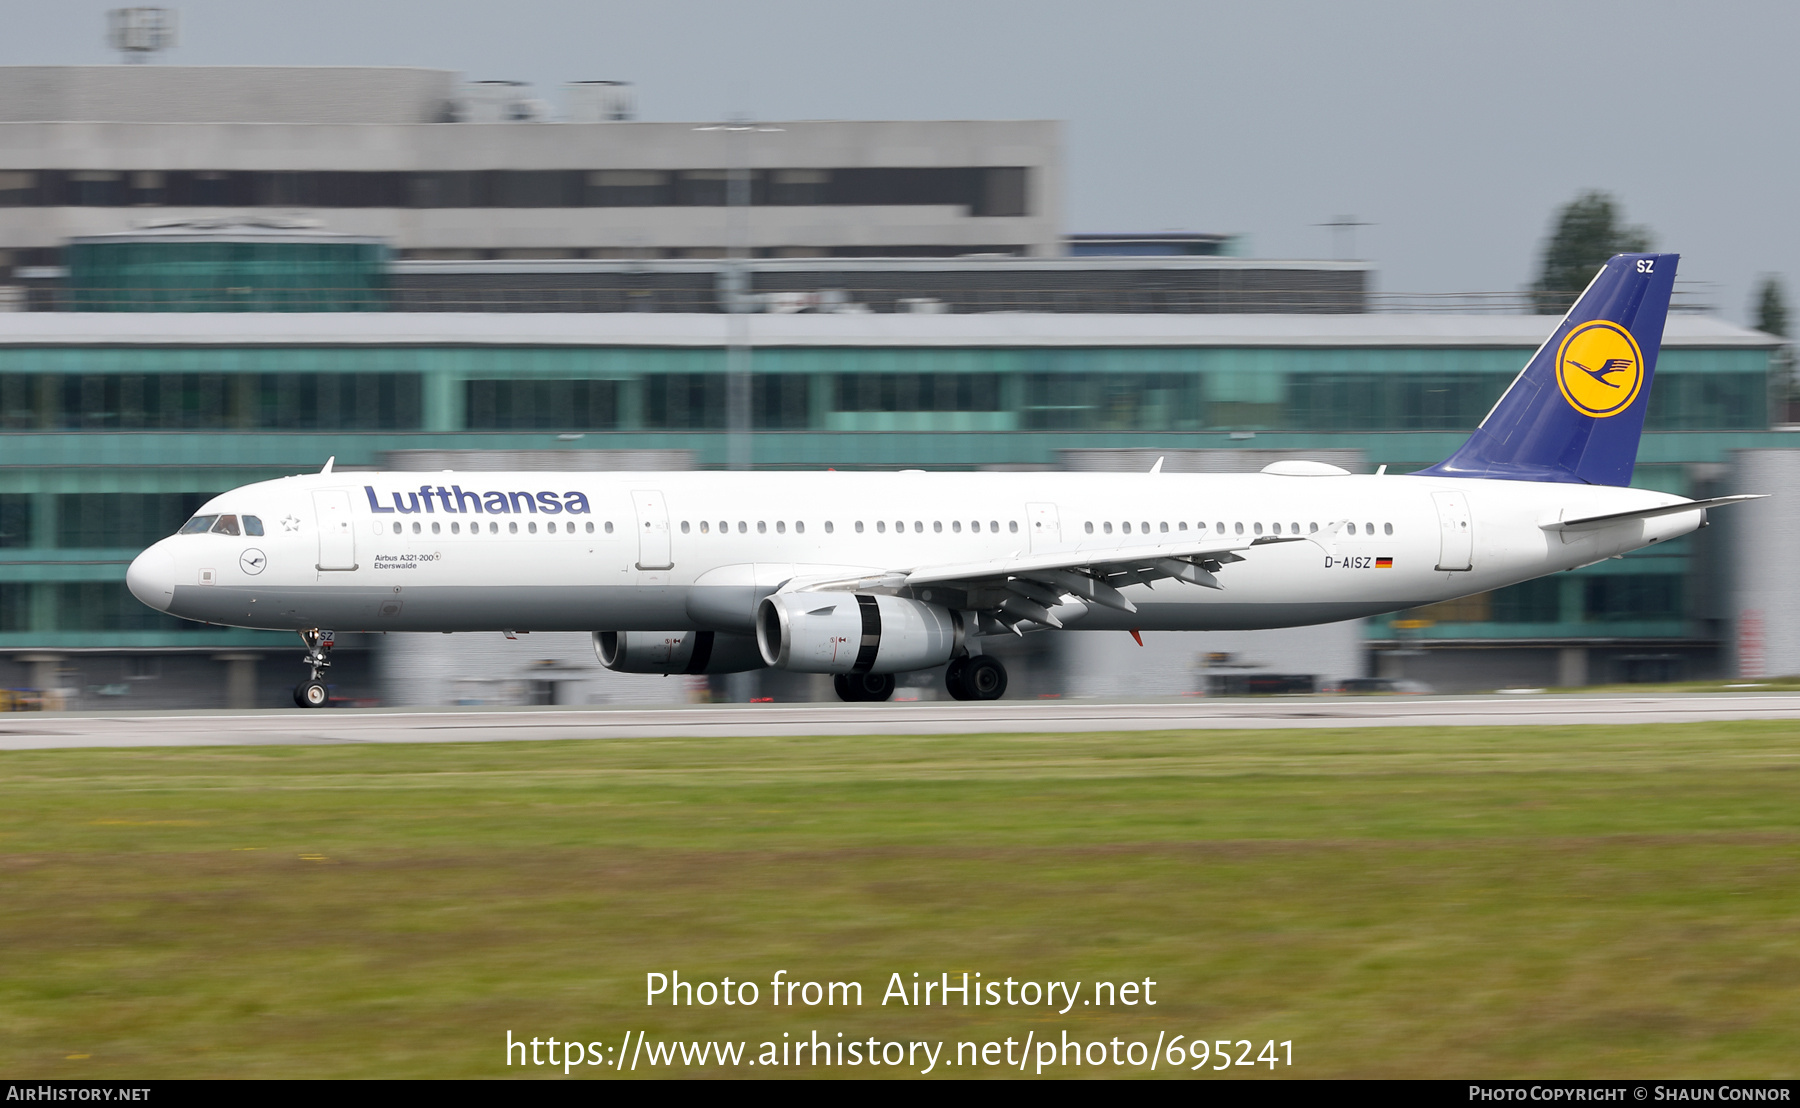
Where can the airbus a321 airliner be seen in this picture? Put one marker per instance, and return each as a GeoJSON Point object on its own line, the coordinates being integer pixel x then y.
{"type": "Point", "coordinates": [865, 575]}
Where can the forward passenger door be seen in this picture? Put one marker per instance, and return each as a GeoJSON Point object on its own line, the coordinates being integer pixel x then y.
{"type": "Point", "coordinates": [337, 538]}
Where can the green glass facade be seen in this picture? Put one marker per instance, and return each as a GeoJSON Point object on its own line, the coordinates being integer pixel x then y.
{"type": "Point", "coordinates": [111, 445]}
{"type": "Point", "coordinates": [160, 275]}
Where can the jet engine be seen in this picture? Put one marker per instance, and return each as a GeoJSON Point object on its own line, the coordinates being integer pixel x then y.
{"type": "Point", "coordinates": [669, 652]}
{"type": "Point", "coordinates": [840, 632]}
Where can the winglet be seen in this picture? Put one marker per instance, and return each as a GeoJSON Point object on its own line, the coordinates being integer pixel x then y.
{"type": "Point", "coordinates": [328, 464]}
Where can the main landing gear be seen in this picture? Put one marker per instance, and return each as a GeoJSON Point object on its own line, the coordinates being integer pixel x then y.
{"type": "Point", "coordinates": [312, 692]}
{"type": "Point", "coordinates": [980, 677]}
{"type": "Point", "coordinates": [855, 687]}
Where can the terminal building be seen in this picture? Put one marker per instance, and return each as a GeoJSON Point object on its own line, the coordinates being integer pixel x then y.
{"type": "Point", "coordinates": [235, 274]}
{"type": "Point", "coordinates": [119, 424]}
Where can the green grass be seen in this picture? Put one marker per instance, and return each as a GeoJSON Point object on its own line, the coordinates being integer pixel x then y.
{"type": "Point", "coordinates": [1475, 902]}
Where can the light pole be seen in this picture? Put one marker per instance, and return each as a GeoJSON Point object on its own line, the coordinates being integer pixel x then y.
{"type": "Point", "coordinates": [735, 284]}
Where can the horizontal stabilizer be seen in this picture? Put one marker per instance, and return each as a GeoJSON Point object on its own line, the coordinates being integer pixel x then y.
{"type": "Point", "coordinates": [1594, 523]}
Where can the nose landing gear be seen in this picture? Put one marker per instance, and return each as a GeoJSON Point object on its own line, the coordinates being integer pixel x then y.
{"type": "Point", "coordinates": [312, 692]}
{"type": "Point", "coordinates": [981, 677]}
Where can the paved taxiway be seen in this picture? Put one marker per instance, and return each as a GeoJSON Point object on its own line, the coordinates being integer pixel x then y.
{"type": "Point", "coordinates": [62, 731]}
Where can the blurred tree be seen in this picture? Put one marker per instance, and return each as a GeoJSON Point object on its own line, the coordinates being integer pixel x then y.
{"type": "Point", "coordinates": [1769, 307]}
{"type": "Point", "coordinates": [1588, 231]}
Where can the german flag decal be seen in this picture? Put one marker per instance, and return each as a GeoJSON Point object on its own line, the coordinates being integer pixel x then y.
{"type": "Point", "coordinates": [1384, 563]}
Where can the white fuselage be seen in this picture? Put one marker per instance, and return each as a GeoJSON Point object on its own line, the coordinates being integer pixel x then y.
{"type": "Point", "coordinates": [676, 551]}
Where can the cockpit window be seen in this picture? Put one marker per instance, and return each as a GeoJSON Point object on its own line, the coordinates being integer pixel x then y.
{"type": "Point", "coordinates": [199, 525]}
{"type": "Point", "coordinates": [252, 525]}
{"type": "Point", "coordinates": [227, 525]}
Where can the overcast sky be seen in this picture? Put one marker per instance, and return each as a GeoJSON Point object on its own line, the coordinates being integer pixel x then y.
{"type": "Point", "coordinates": [1455, 129]}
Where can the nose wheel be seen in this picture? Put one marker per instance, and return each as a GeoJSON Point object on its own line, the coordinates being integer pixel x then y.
{"type": "Point", "coordinates": [978, 678]}
{"type": "Point", "coordinates": [313, 692]}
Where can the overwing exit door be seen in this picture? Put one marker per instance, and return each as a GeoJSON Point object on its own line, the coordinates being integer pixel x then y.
{"type": "Point", "coordinates": [337, 538]}
{"type": "Point", "coordinates": [652, 529]}
{"type": "Point", "coordinates": [1456, 534]}
{"type": "Point", "coordinates": [1042, 522]}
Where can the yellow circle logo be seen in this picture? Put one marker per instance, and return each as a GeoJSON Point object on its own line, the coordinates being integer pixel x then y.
{"type": "Point", "coordinates": [1599, 368]}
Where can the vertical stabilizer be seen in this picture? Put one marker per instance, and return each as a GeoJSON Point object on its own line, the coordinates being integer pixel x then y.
{"type": "Point", "coordinates": [1576, 412]}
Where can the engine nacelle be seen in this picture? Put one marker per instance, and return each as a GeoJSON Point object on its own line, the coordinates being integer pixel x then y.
{"type": "Point", "coordinates": [840, 632]}
{"type": "Point", "coordinates": [669, 652]}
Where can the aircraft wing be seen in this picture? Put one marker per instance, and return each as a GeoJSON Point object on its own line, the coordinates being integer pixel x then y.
{"type": "Point", "coordinates": [1594, 523]}
{"type": "Point", "coordinates": [1021, 590]}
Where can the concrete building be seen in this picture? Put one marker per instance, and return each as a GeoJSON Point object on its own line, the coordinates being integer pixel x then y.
{"type": "Point", "coordinates": [90, 150]}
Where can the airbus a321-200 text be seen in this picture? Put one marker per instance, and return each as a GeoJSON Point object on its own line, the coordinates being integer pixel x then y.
{"type": "Point", "coordinates": [866, 575]}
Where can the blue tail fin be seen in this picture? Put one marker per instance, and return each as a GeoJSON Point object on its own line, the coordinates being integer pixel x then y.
{"type": "Point", "coordinates": [1576, 412]}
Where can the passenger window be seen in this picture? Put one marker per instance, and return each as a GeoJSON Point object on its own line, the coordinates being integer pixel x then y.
{"type": "Point", "coordinates": [1275, 527]}
{"type": "Point", "coordinates": [1350, 527]}
{"type": "Point", "coordinates": [761, 527]}
{"type": "Point", "coordinates": [937, 526]}
{"type": "Point", "coordinates": [780, 527]}
{"type": "Point", "coordinates": [1221, 529]}
{"type": "Point", "coordinates": [1201, 526]}
{"type": "Point", "coordinates": [1387, 528]}
{"type": "Point", "coordinates": [590, 527]}
{"type": "Point", "coordinates": [396, 528]}
{"type": "Point", "coordinates": [512, 527]}
{"type": "Point", "coordinates": [1257, 527]}
{"type": "Point", "coordinates": [494, 528]}
{"type": "Point", "coordinates": [416, 527]}
{"type": "Point", "coordinates": [436, 528]}
{"type": "Point", "coordinates": [253, 526]}
{"type": "Point", "coordinates": [684, 526]}
{"type": "Point", "coordinates": [608, 527]}
{"type": "Point", "coordinates": [799, 527]}
{"type": "Point", "coordinates": [1012, 525]}
{"type": "Point", "coordinates": [1088, 526]}
{"type": "Point", "coordinates": [1182, 526]}
{"type": "Point", "coordinates": [956, 527]}
{"type": "Point", "coordinates": [828, 527]}
{"type": "Point", "coordinates": [743, 528]}
{"type": "Point", "coordinates": [724, 527]}
{"type": "Point", "coordinates": [227, 525]}
{"type": "Point", "coordinates": [1164, 528]}
{"type": "Point", "coordinates": [1293, 528]}
{"type": "Point", "coordinates": [1106, 527]}
{"type": "Point", "coordinates": [704, 528]}
{"type": "Point", "coordinates": [1312, 528]}
{"type": "Point", "coordinates": [881, 527]}
{"type": "Point", "coordinates": [1125, 527]}
{"type": "Point", "coordinates": [1144, 527]}
{"type": "Point", "coordinates": [975, 526]}
{"type": "Point", "coordinates": [1368, 528]}
{"type": "Point", "coordinates": [1238, 527]}
{"type": "Point", "coordinates": [456, 528]}
{"type": "Point", "coordinates": [859, 529]}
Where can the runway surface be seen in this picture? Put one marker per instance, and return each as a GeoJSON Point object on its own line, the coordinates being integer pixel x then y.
{"type": "Point", "coordinates": [51, 731]}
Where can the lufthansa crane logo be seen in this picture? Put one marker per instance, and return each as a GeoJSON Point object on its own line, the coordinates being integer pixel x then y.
{"type": "Point", "coordinates": [1599, 368]}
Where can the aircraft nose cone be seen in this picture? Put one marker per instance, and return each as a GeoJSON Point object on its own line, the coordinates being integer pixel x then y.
{"type": "Point", "coordinates": [151, 578]}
